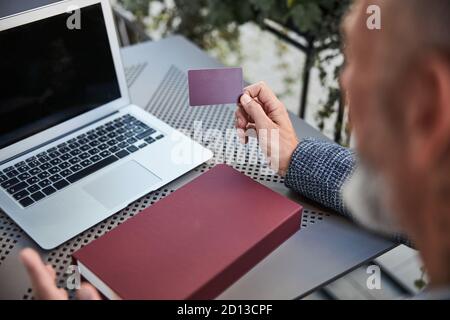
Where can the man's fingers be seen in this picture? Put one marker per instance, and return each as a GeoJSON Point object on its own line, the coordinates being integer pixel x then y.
{"type": "Point", "coordinates": [42, 281]}
{"type": "Point", "coordinates": [264, 95]}
{"type": "Point", "coordinates": [255, 111]}
{"type": "Point", "coordinates": [241, 118]}
{"type": "Point", "coordinates": [51, 271]}
{"type": "Point", "coordinates": [88, 292]}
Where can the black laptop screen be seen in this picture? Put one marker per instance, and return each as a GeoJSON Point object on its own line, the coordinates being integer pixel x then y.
{"type": "Point", "coordinates": [50, 73]}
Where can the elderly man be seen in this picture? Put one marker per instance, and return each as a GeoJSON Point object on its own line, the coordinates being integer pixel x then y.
{"type": "Point", "coordinates": [397, 84]}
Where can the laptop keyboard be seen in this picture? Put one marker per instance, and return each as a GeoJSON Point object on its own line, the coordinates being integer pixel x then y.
{"type": "Point", "coordinates": [38, 177]}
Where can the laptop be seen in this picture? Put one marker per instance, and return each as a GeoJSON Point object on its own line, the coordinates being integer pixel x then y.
{"type": "Point", "coordinates": [73, 149]}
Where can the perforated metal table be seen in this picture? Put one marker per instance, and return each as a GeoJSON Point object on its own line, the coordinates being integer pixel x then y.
{"type": "Point", "coordinates": [324, 249]}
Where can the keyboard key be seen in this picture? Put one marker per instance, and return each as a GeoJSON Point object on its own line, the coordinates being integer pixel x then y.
{"type": "Point", "coordinates": [33, 180]}
{"type": "Point", "coordinates": [74, 145]}
{"type": "Point", "coordinates": [3, 178]}
{"type": "Point", "coordinates": [34, 188]}
{"type": "Point", "coordinates": [12, 173]}
{"type": "Point", "coordinates": [71, 141]}
{"type": "Point", "coordinates": [61, 184]}
{"type": "Point", "coordinates": [145, 134]}
{"type": "Point", "coordinates": [37, 196]}
{"type": "Point", "coordinates": [43, 159]}
{"type": "Point", "coordinates": [21, 194]}
{"type": "Point", "coordinates": [112, 142]}
{"type": "Point", "coordinates": [43, 175]}
{"type": "Point", "coordinates": [66, 165]}
{"type": "Point", "coordinates": [66, 157]}
{"type": "Point", "coordinates": [143, 145]}
{"type": "Point", "coordinates": [49, 190]}
{"type": "Point", "coordinates": [73, 161]}
{"type": "Point", "coordinates": [85, 147]}
{"type": "Point", "coordinates": [159, 137]}
{"type": "Point", "coordinates": [44, 183]}
{"type": "Point", "coordinates": [101, 133]}
{"type": "Point", "coordinates": [24, 176]}
{"type": "Point", "coordinates": [132, 141]}
{"type": "Point", "coordinates": [55, 178]}
{"type": "Point", "coordinates": [30, 159]}
{"type": "Point", "coordinates": [123, 145]}
{"type": "Point", "coordinates": [54, 154]}
{"type": "Point", "coordinates": [66, 173]}
{"type": "Point", "coordinates": [35, 171]}
{"type": "Point", "coordinates": [8, 169]}
{"type": "Point", "coordinates": [45, 166]}
{"type": "Point", "coordinates": [85, 155]}
{"type": "Point", "coordinates": [62, 145]}
{"type": "Point", "coordinates": [95, 158]}
{"type": "Point", "coordinates": [52, 150]}
{"type": "Point", "coordinates": [83, 141]}
{"type": "Point", "coordinates": [94, 143]}
{"type": "Point", "coordinates": [114, 149]}
{"type": "Point", "coordinates": [105, 154]}
{"type": "Point", "coordinates": [150, 140]}
{"type": "Point", "coordinates": [121, 138]}
{"type": "Point", "coordinates": [132, 149]}
{"type": "Point", "coordinates": [54, 170]}
{"type": "Point", "coordinates": [103, 147]}
{"type": "Point", "coordinates": [55, 162]}
{"type": "Point", "coordinates": [92, 137]}
{"type": "Point", "coordinates": [89, 170]}
{"type": "Point", "coordinates": [34, 163]}
{"type": "Point", "coordinates": [75, 152]}
{"type": "Point", "coordinates": [122, 154]}
{"type": "Point", "coordinates": [19, 164]}
{"type": "Point", "coordinates": [9, 183]}
{"type": "Point", "coordinates": [92, 152]}
{"type": "Point", "coordinates": [64, 149]}
{"type": "Point", "coordinates": [86, 163]}
{"type": "Point", "coordinates": [26, 202]}
{"type": "Point", "coordinates": [23, 169]}
{"type": "Point", "coordinates": [76, 168]}
{"type": "Point", "coordinates": [17, 187]}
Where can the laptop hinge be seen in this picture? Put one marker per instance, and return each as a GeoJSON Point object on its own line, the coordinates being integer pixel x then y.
{"type": "Point", "coordinates": [55, 139]}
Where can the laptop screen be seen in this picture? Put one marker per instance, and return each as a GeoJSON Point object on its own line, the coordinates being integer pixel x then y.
{"type": "Point", "coordinates": [50, 73]}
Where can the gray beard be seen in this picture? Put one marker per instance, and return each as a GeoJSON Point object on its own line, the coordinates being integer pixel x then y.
{"type": "Point", "coordinates": [366, 195]}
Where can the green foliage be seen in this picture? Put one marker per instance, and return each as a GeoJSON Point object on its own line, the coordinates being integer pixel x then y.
{"type": "Point", "coordinates": [214, 26]}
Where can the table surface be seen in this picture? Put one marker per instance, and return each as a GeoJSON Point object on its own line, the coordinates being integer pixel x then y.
{"type": "Point", "coordinates": [327, 246]}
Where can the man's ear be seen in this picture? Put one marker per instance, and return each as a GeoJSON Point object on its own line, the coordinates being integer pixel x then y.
{"type": "Point", "coordinates": [428, 115]}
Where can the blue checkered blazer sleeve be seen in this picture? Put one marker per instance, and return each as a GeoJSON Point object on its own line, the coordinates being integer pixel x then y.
{"type": "Point", "coordinates": [319, 169]}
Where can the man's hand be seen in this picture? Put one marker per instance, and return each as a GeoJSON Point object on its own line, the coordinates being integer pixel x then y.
{"type": "Point", "coordinates": [260, 109]}
{"type": "Point", "coordinates": [43, 280]}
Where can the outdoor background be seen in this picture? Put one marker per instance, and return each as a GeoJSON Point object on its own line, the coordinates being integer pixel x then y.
{"type": "Point", "coordinates": [270, 39]}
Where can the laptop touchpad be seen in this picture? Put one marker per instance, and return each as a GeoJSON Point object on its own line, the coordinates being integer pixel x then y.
{"type": "Point", "coordinates": [122, 184]}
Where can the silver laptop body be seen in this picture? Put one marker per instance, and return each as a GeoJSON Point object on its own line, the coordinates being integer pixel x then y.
{"type": "Point", "coordinates": [73, 150]}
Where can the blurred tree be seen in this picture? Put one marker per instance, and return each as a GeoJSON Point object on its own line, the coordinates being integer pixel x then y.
{"type": "Point", "coordinates": [214, 26]}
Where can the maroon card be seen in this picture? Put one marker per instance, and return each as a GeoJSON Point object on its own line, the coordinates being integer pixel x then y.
{"type": "Point", "coordinates": [215, 86]}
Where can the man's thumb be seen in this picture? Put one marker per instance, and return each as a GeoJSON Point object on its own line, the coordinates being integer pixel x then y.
{"type": "Point", "coordinates": [88, 292]}
{"type": "Point", "coordinates": [254, 110]}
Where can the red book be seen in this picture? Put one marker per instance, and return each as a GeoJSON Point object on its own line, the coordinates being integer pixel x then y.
{"type": "Point", "coordinates": [194, 243]}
